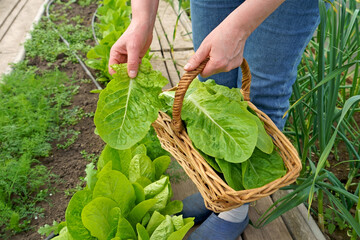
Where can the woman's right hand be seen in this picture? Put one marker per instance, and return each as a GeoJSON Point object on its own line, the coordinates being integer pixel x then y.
{"type": "Point", "coordinates": [131, 47]}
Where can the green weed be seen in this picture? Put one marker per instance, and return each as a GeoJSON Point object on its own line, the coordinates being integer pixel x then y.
{"type": "Point", "coordinates": [70, 137]}
{"type": "Point", "coordinates": [30, 116]}
{"type": "Point", "coordinates": [90, 157]}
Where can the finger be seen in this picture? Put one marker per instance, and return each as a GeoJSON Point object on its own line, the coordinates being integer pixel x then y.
{"type": "Point", "coordinates": [115, 58]}
{"type": "Point", "coordinates": [213, 66]}
{"type": "Point", "coordinates": [133, 60]}
{"type": "Point", "coordinates": [200, 55]}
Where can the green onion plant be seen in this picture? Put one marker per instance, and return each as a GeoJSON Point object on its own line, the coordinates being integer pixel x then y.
{"type": "Point", "coordinates": [325, 99]}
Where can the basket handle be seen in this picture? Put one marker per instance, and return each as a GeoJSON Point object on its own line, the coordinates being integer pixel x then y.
{"type": "Point", "coordinates": [188, 77]}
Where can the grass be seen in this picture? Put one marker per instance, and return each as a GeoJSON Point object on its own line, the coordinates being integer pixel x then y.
{"type": "Point", "coordinates": [47, 45]}
{"type": "Point", "coordinates": [34, 111]}
{"type": "Point", "coordinates": [30, 118]}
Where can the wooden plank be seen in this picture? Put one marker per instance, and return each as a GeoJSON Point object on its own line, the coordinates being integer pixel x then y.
{"type": "Point", "coordinates": [167, 19]}
{"type": "Point", "coordinates": [181, 58]}
{"type": "Point", "coordinates": [14, 14]}
{"type": "Point", "coordinates": [164, 45]}
{"type": "Point", "coordinates": [295, 218]}
{"type": "Point", "coordinates": [276, 230]}
{"type": "Point", "coordinates": [158, 63]}
{"type": "Point", "coordinates": [155, 44]}
{"type": "Point", "coordinates": [173, 74]}
{"type": "Point", "coordinates": [6, 7]}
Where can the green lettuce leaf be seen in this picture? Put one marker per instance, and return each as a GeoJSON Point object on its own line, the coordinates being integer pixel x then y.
{"type": "Point", "coordinates": [139, 192]}
{"type": "Point", "coordinates": [90, 177]}
{"type": "Point", "coordinates": [125, 230]}
{"type": "Point", "coordinates": [231, 93]}
{"type": "Point", "coordinates": [264, 141]}
{"type": "Point", "coordinates": [155, 220]}
{"type": "Point", "coordinates": [127, 107]}
{"type": "Point", "coordinates": [146, 219]}
{"type": "Point", "coordinates": [116, 186]}
{"type": "Point", "coordinates": [139, 211]}
{"type": "Point", "coordinates": [228, 133]}
{"type": "Point", "coordinates": [155, 188]}
{"type": "Point", "coordinates": [172, 207]}
{"type": "Point", "coordinates": [75, 227]}
{"type": "Point", "coordinates": [64, 235]}
{"type": "Point", "coordinates": [142, 233]}
{"type": "Point", "coordinates": [139, 149]}
{"type": "Point", "coordinates": [141, 166]}
{"type": "Point", "coordinates": [120, 159]}
{"type": "Point", "coordinates": [161, 164]}
{"type": "Point", "coordinates": [153, 146]}
{"type": "Point", "coordinates": [178, 222]}
{"type": "Point", "coordinates": [180, 234]}
{"type": "Point", "coordinates": [261, 169]}
{"type": "Point", "coordinates": [96, 217]}
{"type": "Point", "coordinates": [164, 230]}
{"type": "Point", "coordinates": [232, 173]}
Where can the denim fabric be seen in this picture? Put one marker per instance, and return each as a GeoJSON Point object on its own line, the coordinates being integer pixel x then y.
{"type": "Point", "coordinates": [273, 50]}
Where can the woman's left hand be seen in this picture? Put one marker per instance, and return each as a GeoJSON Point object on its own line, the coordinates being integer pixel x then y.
{"type": "Point", "coordinates": [225, 47]}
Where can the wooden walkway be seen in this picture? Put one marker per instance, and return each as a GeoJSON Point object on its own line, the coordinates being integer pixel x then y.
{"type": "Point", "coordinates": [16, 19]}
{"type": "Point", "coordinates": [169, 56]}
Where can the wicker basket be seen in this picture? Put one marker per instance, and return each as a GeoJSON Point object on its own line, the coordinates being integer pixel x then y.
{"type": "Point", "coordinates": [218, 196]}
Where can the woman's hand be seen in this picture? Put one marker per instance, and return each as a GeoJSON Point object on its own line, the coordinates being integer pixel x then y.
{"type": "Point", "coordinates": [225, 47]}
{"type": "Point", "coordinates": [225, 44]}
{"type": "Point", "coordinates": [131, 47]}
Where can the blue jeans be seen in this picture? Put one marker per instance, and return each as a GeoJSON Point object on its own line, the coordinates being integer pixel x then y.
{"type": "Point", "coordinates": [273, 50]}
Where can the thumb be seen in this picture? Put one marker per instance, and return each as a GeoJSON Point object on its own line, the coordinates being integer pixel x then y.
{"type": "Point", "coordinates": [133, 62]}
{"type": "Point", "coordinates": [200, 55]}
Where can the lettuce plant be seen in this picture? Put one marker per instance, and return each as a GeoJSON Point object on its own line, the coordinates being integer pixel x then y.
{"type": "Point", "coordinates": [131, 200]}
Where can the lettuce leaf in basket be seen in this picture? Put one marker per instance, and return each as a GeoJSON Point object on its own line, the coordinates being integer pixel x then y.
{"type": "Point", "coordinates": [261, 169]}
{"type": "Point", "coordinates": [217, 109]}
{"type": "Point", "coordinates": [127, 107]}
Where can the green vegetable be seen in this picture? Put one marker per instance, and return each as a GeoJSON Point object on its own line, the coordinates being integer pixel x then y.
{"type": "Point", "coordinates": [64, 235]}
{"type": "Point", "coordinates": [172, 207]}
{"type": "Point", "coordinates": [139, 192]}
{"type": "Point", "coordinates": [232, 173]}
{"type": "Point", "coordinates": [127, 107]}
{"type": "Point", "coordinates": [75, 227]}
{"type": "Point", "coordinates": [120, 159]}
{"type": "Point", "coordinates": [161, 164]}
{"type": "Point", "coordinates": [141, 166]}
{"type": "Point", "coordinates": [262, 168]}
{"type": "Point", "coordinates": [116, 186]}
{"type": "Point", "coordinates": [180, 234]}
{"type": "Point", "coordinates": [90, 176]}
{"type": "Point", "coordinates": [154, 222]}
{"type": "Point", "coordinates": [139, 211]}
{"type": "Point", "coordinates": [155, 188]}
{"type": "Point", "coordinates": [142, 233]}
{"type": "Point", "coordinates": [139, 149]}
{"type": "Point", "coordinates": [146, 219]}
{"type": "Point", "coordinates": [96, 216]}
{"type": "Point", "coordinates": [178, 222]}
{"type": "Point", "coordinates": [227, 133]}
{"type": "Point", "coordinates": [125, 230]}
{"type": "Point", "coordinates": [164, 230]}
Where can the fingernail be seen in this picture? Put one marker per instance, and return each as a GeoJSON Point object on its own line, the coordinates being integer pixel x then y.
{"type": "Point", "coordinates": [187, 66]}
{"type": "Point", "coordinates": [132, 74]}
